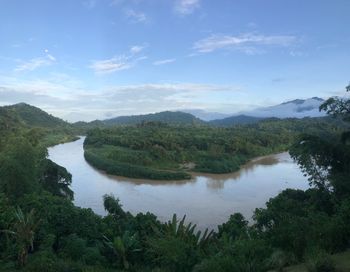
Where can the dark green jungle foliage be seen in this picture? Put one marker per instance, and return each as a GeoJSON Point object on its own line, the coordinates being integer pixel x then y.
{"type": "Point", "coordinates": [41, 229]}
{"type": "Point", "coordinates": [161, 151]}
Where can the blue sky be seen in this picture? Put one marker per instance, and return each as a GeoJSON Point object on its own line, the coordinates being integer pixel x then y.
{"type": "Point", "coordinates": [88, 59]}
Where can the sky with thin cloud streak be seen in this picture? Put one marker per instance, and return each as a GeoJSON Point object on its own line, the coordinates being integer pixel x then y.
{"type": "Point", "coordinates": [93, 59]}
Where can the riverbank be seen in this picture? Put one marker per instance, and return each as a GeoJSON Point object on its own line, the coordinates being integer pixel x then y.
{"type": "Point", "coordinates": [54, 138]}
{"type": "Point", "coordinates": [132, 171]}
{"type": "Point", "coordinates": [172, 153]}
{"type": "Point", "coordinates": [216, 194]}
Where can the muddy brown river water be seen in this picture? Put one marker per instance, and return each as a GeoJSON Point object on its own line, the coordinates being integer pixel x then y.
{"type": "Point", "coordinates": [207, 199]}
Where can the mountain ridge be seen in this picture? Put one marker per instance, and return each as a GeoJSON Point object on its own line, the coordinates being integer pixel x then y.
{"type": "Point", "coordinates": [297, 108]}
{"type": "Point", "coordinates": [236, 120]}
{"type": "Point", "coordinates": [171, 117]}
{"type": "Point", "coordinates": [28, 115]}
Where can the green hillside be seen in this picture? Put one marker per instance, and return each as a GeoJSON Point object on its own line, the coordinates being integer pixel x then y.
{"type": "Point", "coordinates": [8, 120]}
{"type": "Point", "coordinates": [37, 124]}
{"type": "Point", "coordinates": [169, 117]}
{"type": "Point", "coordinates": [235, 120]}
{"type": "Point", "coordinates": [35, 117]}
{"type": "Point", "coordinates": [42, 230]}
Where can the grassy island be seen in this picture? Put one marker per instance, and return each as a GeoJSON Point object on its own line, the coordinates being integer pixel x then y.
{"type": "Point", "coordinates": [164, 152]}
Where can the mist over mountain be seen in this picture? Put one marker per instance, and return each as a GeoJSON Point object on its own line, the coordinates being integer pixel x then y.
{"type": "Point", "coordinates": [207, 115]}
{"type": "Point", "coordinates": [297, 108]}
{"type": "Point", "coordinates": [24, 114]}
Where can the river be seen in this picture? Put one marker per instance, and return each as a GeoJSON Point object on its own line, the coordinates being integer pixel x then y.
{"type": "Point", "coordinates": [207, 200]}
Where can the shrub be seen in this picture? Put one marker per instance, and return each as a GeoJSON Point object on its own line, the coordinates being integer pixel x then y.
{"type": "Point", "coordinates": [320, 261]}
{"type": "Point", "coordinates": [74, 247]}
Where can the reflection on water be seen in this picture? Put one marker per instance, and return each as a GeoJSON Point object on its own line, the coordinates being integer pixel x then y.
{"type": "Point", "coordinates": [206, 199]}
{"type": "Point", "coordinates": [217, 181]}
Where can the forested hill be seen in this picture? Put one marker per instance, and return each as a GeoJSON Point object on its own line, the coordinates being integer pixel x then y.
{"type": "Point", "coordinates": [23, 115]}
{"type": "Point", "coordinates": [42, 230]}
{"type": "Point", "coordinates": [235, 120]}
{"type": "Point", "coordinates": [8, 119]}
{"type": "Point", "coordinates": [170, 117]}
{"type": "Point", "coordinates": [27, 115]}
{"type": "Point", "coordinates": [22, 119]}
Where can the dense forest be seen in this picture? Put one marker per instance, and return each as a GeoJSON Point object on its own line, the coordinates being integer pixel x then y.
{"type": "Point", "coordinates": [37, 125]}
{"type": "Point", "coordinates": [155, 150]}
{"type": "Point", "coordinates": [41, 229]}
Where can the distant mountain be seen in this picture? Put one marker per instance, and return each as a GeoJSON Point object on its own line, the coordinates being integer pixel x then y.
{"type": "Point", "coordinates": [235, 120]}
{"type": "Point", "coordinates": [178, 118]}
{"type": "Point", "coordinates": [83, 126]}
{"type": "Point", "coordinates": [28, 115]}
{"type": "Point", "coordinates": [298, 108]}
{"type": "Point", "coordinates": [206, 115]}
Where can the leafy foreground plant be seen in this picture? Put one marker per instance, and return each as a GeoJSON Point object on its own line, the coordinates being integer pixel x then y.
{"type": "Point", "coordinates": [176, 246]}
{"type": "Point", "coordinates": [23, 230]}
{"type": "Point", "coordinates": [123, 246]}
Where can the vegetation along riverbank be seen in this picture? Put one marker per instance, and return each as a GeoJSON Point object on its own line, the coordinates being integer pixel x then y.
{"type": "Point", "coordinates": [156, 150]}
{"type": "Point", "coordinates": [42, 230]}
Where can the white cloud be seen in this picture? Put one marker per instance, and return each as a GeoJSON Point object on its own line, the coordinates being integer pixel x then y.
{"type": "Point", "coordinates": [67, 98]}
{"type": "Point", "coordinates": [32, 64]}
{"type": "Point", "coordinates": [111, 65]}
{"type": "Point", "coordinates": [135, 16]}
{"type": "Point", "coordinates": [247, 43]}
{"type": "Point", "coordinates": [186, 7]}
{"type": "Point", "coordinates": [188, 87]}
{"type": "Point", "coordinates": [164, 61]}
{"type": "Point", "coordinates": [57, 85]}
{"type": "Point", "coordinates": [136, 49]}
{"type": "Point", "coordinates": [118, 63]}
{"type": "Point", "coordinates": [36, 63]}
{"type": "Point", "coordinates": [50, 57]}
{"type": "Point", "coordinates": [141, 58]}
